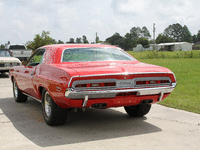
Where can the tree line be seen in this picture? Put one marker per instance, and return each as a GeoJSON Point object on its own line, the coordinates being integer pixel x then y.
{"type": "Point", "coordinates": [173, 33]}
{"type": "Point", "coordinates": [136, 35]}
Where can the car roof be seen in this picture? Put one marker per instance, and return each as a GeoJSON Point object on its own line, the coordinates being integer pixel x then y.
{"type": "Point", "coordinates": [65, 46]}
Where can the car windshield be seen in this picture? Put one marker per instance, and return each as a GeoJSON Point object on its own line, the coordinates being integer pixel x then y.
{"type": "Point", "coordinates": [4, 54]}
{"type": "Point", "coordinates": [94, 54]}
{"type": "Point", "coordinates": [15, 47]}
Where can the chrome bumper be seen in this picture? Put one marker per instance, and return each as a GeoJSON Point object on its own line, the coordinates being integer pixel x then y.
{"type": "Point", "coordinates": [72, 94]}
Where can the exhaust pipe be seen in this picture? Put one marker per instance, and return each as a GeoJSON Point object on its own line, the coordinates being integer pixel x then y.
{"type": "Point", "coordinates": [100, 105]}
{"type": "Point", "coordinates": [149, 101]}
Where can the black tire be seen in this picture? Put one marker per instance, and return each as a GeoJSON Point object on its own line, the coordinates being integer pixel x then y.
{"type": "Point", "coordinates": [52, 113]}
{"type": "Point", "coordinates": [138, 110]}
{"type": "Point", "coordinates": [18, 95]}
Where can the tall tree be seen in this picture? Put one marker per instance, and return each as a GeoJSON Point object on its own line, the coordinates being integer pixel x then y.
{"type": "Point", "coordinates": [2, 46]}
{"type": "Point", "coordinates": [128, 42]}
{"type": "Point", "coordinates": [145, 33]}
{"type": "Point", "coordinates": [71, 40]}
{"type": "Point", "coordinates": [174, 31]}
{"type": "Point", "coordinates": [60, 42]}
{"type": "Point", "coordinates": [116, 39]}
{"type": "Point", "coordinates": [178, 33]}
{"type": "Point", "coordinates": [198, 36]}
{"type": "Point", "coordinates": [135, 33]}
{"type": "Point", "coordinates": [186, 35]}
{"type": "Point", "coordinates": [164, 39]}
{"type": "Point", "coordinates": [40, 40]}
{"type": "Point", "coordinates": [78, 40]}
{"type": "Point", "coordinates": [194, 38]}
{"type": "Point", "coordinates": [85, 39]}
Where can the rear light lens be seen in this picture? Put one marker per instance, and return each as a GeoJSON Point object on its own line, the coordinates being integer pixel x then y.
{"type": "Point", "coordinates": [108, 84]}
{"type": "Point", "coordinates": [81, 85]}
{"type": "Point", "coordinates": [165, 81]}
{"type": "Point", "coordinates": [150, 82]}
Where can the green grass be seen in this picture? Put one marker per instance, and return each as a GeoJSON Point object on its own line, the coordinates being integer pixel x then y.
{"type": "Point", "coordinates": [165, 55]}
{"type": "Point", "coordinates": [186, 95]}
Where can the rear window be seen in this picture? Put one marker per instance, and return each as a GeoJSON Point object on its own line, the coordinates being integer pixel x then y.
{"type": "Point", "coordinates": [94, 54]}
{"type": "Point", "coordinates": [17, 47]}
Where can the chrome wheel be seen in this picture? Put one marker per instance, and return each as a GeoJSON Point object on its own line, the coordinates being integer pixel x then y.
{"type": "Point", "coordinates": [15, 88]}
{"type": "Point", "coordinates": [47, 104]}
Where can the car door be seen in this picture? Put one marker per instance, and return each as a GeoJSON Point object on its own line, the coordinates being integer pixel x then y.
{"type": "Point", "coordinates": [29, 72]}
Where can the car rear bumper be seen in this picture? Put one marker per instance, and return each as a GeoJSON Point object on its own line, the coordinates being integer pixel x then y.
{"type": "Point", "coordinates": [72, 94]}
{"type": "Point", "coordinates": [5, 69]}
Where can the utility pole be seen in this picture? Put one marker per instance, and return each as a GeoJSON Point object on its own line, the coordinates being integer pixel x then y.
{"type": "Point", "coordinates": [154, 31]}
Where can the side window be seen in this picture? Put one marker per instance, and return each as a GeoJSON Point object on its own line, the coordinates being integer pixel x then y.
{"type": "Point", "coordinates": [37, 58]}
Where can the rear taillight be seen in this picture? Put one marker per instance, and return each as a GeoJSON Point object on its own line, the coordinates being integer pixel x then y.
{"type": "Point", "coordinates": [152, 82]}
{"type": "Point", "coordinates": [108, 84]}
{"type": "Point", "coordinates": [11, 52]}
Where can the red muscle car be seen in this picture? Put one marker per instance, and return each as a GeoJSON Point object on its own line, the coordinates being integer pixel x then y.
{"type": "Point", "coordinates": [76, 76]}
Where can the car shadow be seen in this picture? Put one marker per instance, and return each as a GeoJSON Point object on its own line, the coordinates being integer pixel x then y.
{"type": "Point", "coordinates": [91, 125]}
{"type": "Point", "coordinates": [4, 75]}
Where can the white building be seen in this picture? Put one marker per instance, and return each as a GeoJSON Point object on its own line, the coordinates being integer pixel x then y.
{"type": "Point", "coordinates": [177, 46]}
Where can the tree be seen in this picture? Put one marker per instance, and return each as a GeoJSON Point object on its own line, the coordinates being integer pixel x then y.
{"type": "Point", "coordinates": [2, 46]}
{"type": "Point", "coordinates": [78, 40]}
{"type": "Point", "coordinates": [174, 31]}
{"type": "Point", "coordinates": [178, 33]}
{"type": "Point", "coordinates": [143, 41]}
{"type": "Point", "coordinates": [135, 33]}
{"type": "Point", "coordinates": [164, 39]}
{"type": "Point", "coordinates": [85, 39]}
{"type": "Point", "coordinates": [145, 33]}
{"type": "Point", "coordinates": [194, 38]}
{"type": "Point", "coordinates": [71, 40]}
{"type": "Point", "coordinates": [198, 36]}
{"type": "Point", "coordinates": [60, 42]}
{"type": "Point", "coordinates": [40, 40]}
{"type": "Point", "coordinates": [116, 39]}
{"type": "Point", "coordinates": [186, 35]}
{"type": "Point", "coordinates": [128, 42]}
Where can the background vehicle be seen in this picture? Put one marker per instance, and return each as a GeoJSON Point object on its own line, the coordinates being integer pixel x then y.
{"type": "Point", "coordinates": [19, 51]}
{"type": "Point", "coordinates": [6, 61]}
{"type": "Point", "coordinates": [78, 76]}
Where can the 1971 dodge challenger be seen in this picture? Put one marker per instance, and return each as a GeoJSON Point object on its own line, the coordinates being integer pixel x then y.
{"type": "Point", "coordinates": [77, 76]}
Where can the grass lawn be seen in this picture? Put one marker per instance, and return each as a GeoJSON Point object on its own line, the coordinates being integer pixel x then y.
{"type": "Point", "coordinates": [186, 95]}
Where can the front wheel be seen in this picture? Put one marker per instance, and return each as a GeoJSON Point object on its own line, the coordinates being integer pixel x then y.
{"type": "Point", "coordinates": [138, 110]}
{"type": "Point", "coordinates": [53, 114]}
{"type": "Point", "coordinates": [18, 95]}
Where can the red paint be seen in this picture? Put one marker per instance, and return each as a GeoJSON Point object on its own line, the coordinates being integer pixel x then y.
{"type": "Point", "coordinates": [54, 76]}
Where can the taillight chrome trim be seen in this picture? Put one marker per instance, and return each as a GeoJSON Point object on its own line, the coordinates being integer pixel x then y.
{"type": "Point", "coordinates": [74, 94]}
{"type": "Point", "coordinates": [99, 81]}
{"type": "Point", "coordinates": [70, 81]}
{"type": "Point", "coordinates": [152, 79]}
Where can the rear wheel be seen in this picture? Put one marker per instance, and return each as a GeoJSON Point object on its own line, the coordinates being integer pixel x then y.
{"type": "Point", "coordinates": [53, 114]}
{"type": "Point", "coordinates": [18, 95]}
{"type": "Point", "coordinates": [138, 110]}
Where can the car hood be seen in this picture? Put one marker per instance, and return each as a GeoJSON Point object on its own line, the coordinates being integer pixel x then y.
{"type": "Point", "coordinates": [9, 59]}
{"type": "Point", "coordinates": [100, 68]}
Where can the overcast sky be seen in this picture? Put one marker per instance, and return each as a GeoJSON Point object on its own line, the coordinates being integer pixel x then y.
{"type": "Point", "coordinates": [20, 20]}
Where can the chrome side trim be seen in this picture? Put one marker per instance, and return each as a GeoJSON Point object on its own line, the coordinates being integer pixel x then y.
{"type": "Point", "coordinates": [32, 97]}
{"type": "Point", "coordinates": [74, 94]}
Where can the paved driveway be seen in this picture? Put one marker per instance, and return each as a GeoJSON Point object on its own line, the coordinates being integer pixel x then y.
{"type": "Point", "coordinates": [22, 127]}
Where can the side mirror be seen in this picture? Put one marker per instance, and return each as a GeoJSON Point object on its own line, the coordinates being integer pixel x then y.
{"type": "Point", "coordinates": [24, 62]}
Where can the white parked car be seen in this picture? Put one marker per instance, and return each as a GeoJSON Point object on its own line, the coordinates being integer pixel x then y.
{"type": "Point", "coordinates": [6, 61]}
